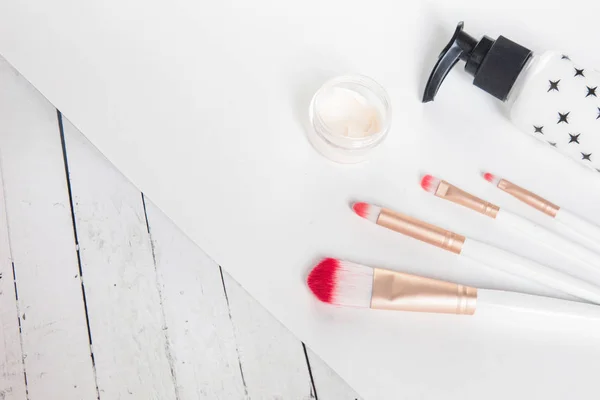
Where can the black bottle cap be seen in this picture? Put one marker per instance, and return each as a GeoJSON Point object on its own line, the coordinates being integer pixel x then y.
{"type": "Point", "coordinates": [495, 64]}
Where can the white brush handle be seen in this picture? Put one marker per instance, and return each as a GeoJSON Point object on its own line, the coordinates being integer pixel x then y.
{"type": "Point", "coordinates": [525, 268]}
{"type": "Point", "coordinates": [527, 303]}
{"type": "Point", "coordinates": [553, 241]}
{"type": "Point", "coordinates": [579, 228]}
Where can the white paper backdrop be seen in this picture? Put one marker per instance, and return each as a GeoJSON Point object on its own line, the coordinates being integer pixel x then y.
{"type": "Point", "coordinates": [203, 105]}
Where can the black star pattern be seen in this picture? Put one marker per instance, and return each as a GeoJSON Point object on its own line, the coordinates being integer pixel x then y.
{"type": "Point", "coordinates": [564, 57]}
{"type": "Point", "coordinates": [563, 117]}
{"type": "Point", "coordinates": [538, 129]}
{"type": "Point", "coordinates": [598, 117]}
{"type": "Point", "coordinates": [574, 138]}
{"type": "Point", "coordinates": [587, 156]}
{"type": "Point", "coordinates": [554, 85]}
{"type": "Point", "coordinates": [591, 91]}
{"type": "Point", "coordinates": [553, 144]}
{"type": "Point", "coordinates": [598, 169]}
{"type": "Point", "coordinates": [579, 72]}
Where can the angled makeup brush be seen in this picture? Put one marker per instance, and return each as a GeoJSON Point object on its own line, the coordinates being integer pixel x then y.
{"type": "Point", "coordinates": [345, 283]}
{"type": "Point", "coordinates": [573, 225]}
{"type": "Point", "coordinates": [551, 240]}
{"type": "Point", "coordinates": [478, 251]}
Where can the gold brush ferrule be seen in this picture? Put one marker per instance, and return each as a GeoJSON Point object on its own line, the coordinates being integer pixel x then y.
{"type": "Point", "coordinates": [527, 197]}
{"type": "Point", "coordinates": [450, 192]}
{"type": "Point", "coordinates": [405, 292]}
{"type": "Point", "coordinates": [421, 230]}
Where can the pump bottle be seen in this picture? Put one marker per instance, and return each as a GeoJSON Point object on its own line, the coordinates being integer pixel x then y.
{"type": "Point", "coordinates": [547, 95]}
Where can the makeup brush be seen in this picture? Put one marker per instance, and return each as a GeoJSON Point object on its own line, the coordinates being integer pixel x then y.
{"type": "Point", "coordinates": [551, 240]}
{"type": "Point", "coordinates": [345, 283]}
{"type": "Point", "coordinates": [478, 251]}
{"type": "Point", "coordinates": [572, 224]}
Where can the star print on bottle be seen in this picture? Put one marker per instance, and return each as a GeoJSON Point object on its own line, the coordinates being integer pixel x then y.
{"type": "Point", "coordinates": [574, 138]}
{"type": "Point", "coordinates": [561, 108]}
{"type": "Point", "coordinates": [563, 117]}
{"type": "Point", "coordinates": [591, 91]}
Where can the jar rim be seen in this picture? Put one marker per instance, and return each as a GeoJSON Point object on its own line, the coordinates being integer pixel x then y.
{"type": "Point", "coordinates": [352, 143]}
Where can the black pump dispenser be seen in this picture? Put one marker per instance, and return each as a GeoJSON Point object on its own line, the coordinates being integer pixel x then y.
{"type": "Point", "coordinates": [495, 64]}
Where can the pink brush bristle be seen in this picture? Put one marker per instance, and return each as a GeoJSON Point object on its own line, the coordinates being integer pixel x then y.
{"type": "Point", "coordinates": [430, 183]}
{"type": "Point", "coordinates": [491, 178]}
{"type": "Point", "coordinates": [341, 283]}
{"type": "Point", "coordinates": [321, 279]}
{"type": "Point", "coordinates": [361, 209]}
{"type": "Point", "coordinates": [366, 211]}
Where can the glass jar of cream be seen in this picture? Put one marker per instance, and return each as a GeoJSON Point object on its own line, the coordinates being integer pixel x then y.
{"type": "Point", "coordinates": [350, 115]}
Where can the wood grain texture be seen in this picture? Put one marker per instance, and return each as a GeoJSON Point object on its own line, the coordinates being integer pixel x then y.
{"type": "Point", "coordinates": [203, 345]}
{"type": "Point", "coordinates": [55, 340]}
{"type": "Point", "coordinates": [165, 321]}
{"type": "Point", "coordinates": [329, 385]}
{"type": "Point", "coordinates": [266, 348]}
{"type": "Point", "coordinates": [129, 335]}
{"type": "Point", "coordinates": [12, 377]}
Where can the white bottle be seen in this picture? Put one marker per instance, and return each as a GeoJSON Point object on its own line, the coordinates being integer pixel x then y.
{"type": "Point", "coordinates": [548, 95]}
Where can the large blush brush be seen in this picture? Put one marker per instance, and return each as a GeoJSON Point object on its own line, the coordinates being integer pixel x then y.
{"type": "Point", "coordinates": [345, 283]}
{"type": "Point", "coordinates": [572, 224]}
{"type": "Point", "coordinates": [552, 241]}
{"type": "Point", "coordinates": [478, 251]}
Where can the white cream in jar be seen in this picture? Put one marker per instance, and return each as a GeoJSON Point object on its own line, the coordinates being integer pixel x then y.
{"type": "Point", "coordinates": [350, 115]}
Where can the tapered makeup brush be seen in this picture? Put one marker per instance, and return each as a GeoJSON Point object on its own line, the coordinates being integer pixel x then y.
{"type": "Point", "coordinates": [551, 240]}
{"type": "Point", "coordinates": [573, 225]}
{"type": "Point", "coordinates": [345, 283]}
{"type": "Point", "coordinates": [478, 251]}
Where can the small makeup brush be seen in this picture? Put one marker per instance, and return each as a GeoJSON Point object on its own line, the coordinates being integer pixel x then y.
{"type": "Point", "coordinates": [345, 283]}
{"type": "Point", "coordinates": [574, 225]}
{"type": "Point", "coordinates": [478, 251]}
{"type": "Point", "coordinates": [553, 241]}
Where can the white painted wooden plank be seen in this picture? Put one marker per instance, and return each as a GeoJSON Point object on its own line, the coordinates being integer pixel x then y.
{"type": "Point", "coordinates": [55, 340]}
{"type": "Point", "coordinates": [201, 332]}
{"type": "Point", "coordinates": [272, 358]}
{"type": "Point", "coordinates": [328, 384]}
{"type": "Point", "coordinates": [203, 345]}
{"type": "Point", "coordinates": [129, 335]}
{"type": "Point", "coordinates": [12, 378]}
{"type": "Point", "coordinates": [204, 352]}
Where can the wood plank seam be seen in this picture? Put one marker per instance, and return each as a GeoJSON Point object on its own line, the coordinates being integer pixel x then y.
{"type": "Point", "coordinates": [313, 393]}
{"type": "Point", "coordinates": [123, 301]}
{"type": "Point", "coordinates": [54, 335]}
{"type": "Point", "coordinates": [14, 274]}
{"type": "Point", "coordinates": [168, 350]}
{"type": "Point", "coordinates": [76, 238]}
{"type": "Point", "coordinates": [19, 323]}
{"type": "Point", "coordinates": [237, 350]}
